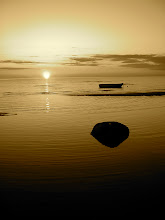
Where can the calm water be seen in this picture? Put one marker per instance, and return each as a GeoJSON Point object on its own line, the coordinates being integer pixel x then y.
{"type": "Point", "coordinates": [46, 146]}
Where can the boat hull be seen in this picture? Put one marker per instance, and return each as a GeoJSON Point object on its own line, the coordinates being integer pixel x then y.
{"type": "Point", "coordinates": [119, 85]}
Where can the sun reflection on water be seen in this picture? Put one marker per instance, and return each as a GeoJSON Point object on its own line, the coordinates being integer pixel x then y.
{"type": "Point", "coordinates": [46, 75]}
{"type": "Point", "coordinates": [47, 105]}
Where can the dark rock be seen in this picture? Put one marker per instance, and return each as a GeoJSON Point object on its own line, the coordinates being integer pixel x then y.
{"type": "Point", "coordinates": [110, 134]}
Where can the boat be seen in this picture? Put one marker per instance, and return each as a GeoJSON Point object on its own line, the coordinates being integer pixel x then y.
{"type": "Point", "coordinates": [118, 85]}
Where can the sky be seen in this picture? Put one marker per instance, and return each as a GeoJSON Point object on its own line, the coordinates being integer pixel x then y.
{"type": "Point", "coordinates": [89, 36]}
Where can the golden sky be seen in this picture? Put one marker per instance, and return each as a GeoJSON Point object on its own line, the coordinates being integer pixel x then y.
{"type": "Point", "coordinates": [46, 32]}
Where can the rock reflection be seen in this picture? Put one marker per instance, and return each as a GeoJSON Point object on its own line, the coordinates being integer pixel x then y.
{"type": "Point", "coordinates": [110, 134]}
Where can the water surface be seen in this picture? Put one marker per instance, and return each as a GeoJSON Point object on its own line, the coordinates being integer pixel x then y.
{"type": "Point", "coordinates": [46, 146]}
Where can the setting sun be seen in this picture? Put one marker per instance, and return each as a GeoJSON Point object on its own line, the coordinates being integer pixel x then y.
{"type": "Point", "coordinates": [46, 74]}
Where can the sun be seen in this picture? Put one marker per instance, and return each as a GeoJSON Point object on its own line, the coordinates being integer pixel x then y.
{"type": "Point", "coordinates": [46, 74]}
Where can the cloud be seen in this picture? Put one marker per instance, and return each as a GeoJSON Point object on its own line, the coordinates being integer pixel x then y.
{"type": "Point", "coordinates": [149, 61]}
{"type": "Point", "coordinates": [121, 57]}
{"type": "Point", "coordinates": [80, 64]}
{"type": "Point", "coordinates": [10, 68]}
{"type": "Point", "coordinates": [83, 61]}
{"type": "Point", "coordinates": [153, 62]}
{"type": "Point", "coordinates": [20, 62]}
{"type": "Point", "coordinates": [138, 65]}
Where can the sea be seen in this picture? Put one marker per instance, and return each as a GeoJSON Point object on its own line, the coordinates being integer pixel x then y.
{"type": "Point", "coordinates": [49, 161]}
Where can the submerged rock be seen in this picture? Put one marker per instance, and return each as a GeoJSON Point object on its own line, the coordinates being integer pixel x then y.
{"type": "Point", "coordinates": [110, 134]}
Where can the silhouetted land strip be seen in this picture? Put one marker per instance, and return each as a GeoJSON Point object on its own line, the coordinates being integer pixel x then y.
{"type": "Point", "coordinates": [6, 114]}
{"type": "Point", "coordinates": [126, 94]}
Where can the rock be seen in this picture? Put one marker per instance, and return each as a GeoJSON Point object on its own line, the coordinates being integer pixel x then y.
{"type": "Point", "coordinates": [110, 134]}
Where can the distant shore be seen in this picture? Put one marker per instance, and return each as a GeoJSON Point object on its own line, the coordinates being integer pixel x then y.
{"type": "Point", "coordinates": [126, 94]}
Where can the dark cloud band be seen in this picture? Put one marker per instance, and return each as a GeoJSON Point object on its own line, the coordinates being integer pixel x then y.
{"type": "Point", "coordinates": [149, 61]}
